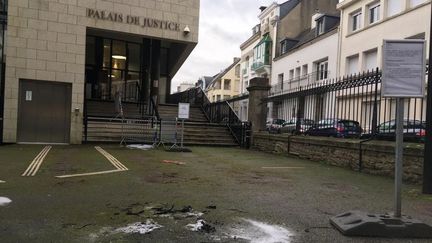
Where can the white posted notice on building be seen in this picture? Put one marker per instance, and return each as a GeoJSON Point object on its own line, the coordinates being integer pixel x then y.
{"type": "Point", "coordinates": [404, 68]}
{"type": "Point", "coordinates": [183, 110]}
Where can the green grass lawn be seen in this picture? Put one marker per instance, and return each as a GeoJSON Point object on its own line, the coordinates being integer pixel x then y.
{"type": "Point", "coordinates": [300, 198]}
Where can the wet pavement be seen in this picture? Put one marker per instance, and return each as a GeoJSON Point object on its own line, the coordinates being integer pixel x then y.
{"type": "Point", "coordinates": [209, 195]}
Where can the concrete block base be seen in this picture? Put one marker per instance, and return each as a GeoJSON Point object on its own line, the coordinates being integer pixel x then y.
{"type": "Point", "coordinates": [355, 223]}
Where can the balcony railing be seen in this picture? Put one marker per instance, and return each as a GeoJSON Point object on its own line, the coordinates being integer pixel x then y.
{"type": "Point", "coordinates": [259, 64]}
{"type": "Point", "coordinates": [296, 82]}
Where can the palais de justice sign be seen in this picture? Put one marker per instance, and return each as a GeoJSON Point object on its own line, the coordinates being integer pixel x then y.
{"type": "Point", "coordinates": [133, 20]}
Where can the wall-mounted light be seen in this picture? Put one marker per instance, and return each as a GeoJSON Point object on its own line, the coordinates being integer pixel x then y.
{"type": "Point", "coordinates": [119, 57]}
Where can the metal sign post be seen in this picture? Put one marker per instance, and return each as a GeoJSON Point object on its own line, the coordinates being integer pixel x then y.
{"type": "Point", "coordinates": [402, 77]}
{"type": "Point", "coordinates": [183, 113]}
{"type": "Point", "coordinates": [399, 157]}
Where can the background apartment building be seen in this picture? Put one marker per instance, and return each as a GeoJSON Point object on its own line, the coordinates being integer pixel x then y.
{"type": "Point", "coordinates": [306, 50]}
{"type": "Point", "coordinates": [226, 84]}
{"type": "Point", "coordinates": [364, 27]}
{"type": "Point", "coordinates": [365, 24]}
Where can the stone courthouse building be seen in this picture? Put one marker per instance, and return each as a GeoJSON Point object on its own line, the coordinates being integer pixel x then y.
{"type": "Point", "coordinates": [62, 58]}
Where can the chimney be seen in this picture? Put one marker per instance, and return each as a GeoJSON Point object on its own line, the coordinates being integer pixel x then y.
{"type": "Point", "coordinates": [262, 8]}
{"type": "Point", "coordinates": [316, 15]}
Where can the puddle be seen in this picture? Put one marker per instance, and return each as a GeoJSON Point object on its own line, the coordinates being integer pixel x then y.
{"type": "Point", "coordinates": [139, 227]}
{"type": "Point", "coordinates": [4, 201]}
{"type": "Point", "coordinates": [140, 146]}
{"type": "Point", "coordinates": [260, 232]}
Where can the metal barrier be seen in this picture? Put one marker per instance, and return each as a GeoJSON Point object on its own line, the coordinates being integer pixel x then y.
{"type": "Point", "coordinates": [123, 130]}
{"type": "Point", "coordinates": [171, 133]}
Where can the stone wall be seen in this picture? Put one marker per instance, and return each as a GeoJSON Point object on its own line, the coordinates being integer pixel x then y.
{"type": "Point", "coordinates": [377, 156]}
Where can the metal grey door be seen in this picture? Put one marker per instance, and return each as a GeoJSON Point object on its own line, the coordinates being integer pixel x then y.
{"type": "Point", "coordinates": [44, 112]}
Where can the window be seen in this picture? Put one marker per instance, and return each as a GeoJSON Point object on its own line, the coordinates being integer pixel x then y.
{"type": "Point", "coordinates": [237, 71]}
{"type": "Point", "coordinates": [356, 21]}
{"type": "Point", "coordinates": [218, 97]}
{"type": "Point", "coordinates": [297, 72]}
{"type": "Point", "coordinates": [291, 74]}
{"type": "Point", "coordinates": [352, 64]}
{"type": "Point", "coordinates": [414, 3]}
{"type": "Point", "coordinates": [370, 60]}
{"type": "Point", "coordinates": [280, 81]}
{"type": "Point", "coordinates": [393, 7]}
{"type": "Point", "coordinates": [305, 70]}
{"type": "Point", "coordinates": [322, 70]}
{"type": "Point", "coordinates": [113, 68]}
{"type": "Point", "coordinates": [218, 85]}
{"type": "Point", "coordinates": [320, 26]}
{"type": "Point", "coordinates": [284, 47]}
{"type": "Point", "coordinates": [374, 13]}
{"type": "Point", "coordinates": [227, 84]}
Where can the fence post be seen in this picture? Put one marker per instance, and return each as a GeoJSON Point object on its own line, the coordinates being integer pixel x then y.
{"type": "Point", "coordinates": [375, 108]}
{"type": "Point", "coordinates": [427, 164]}
{"type": "Point", "coordinates": [258, 92]}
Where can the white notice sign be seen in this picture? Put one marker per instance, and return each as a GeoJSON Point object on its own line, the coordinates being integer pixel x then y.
{"type": "Point", "coordinates": [404, 68]}
{"type": "Point", "coordinates": [183, 111]}
{"type": "Point", "coordinates": [29, 95]}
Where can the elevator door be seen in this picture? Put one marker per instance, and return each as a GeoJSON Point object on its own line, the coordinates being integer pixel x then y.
{"type": "Point", "coordinates": [44, 112]}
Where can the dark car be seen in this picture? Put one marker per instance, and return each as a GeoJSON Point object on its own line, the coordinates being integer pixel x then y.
{"type": "Point", "coordinates": [291, 126]}
{"type": "Point", "coordinates": [340, 128]}
{"type": "Point", "coordinates": [413, 130]}
{"type": "Point", "coordinates": [273, 125]}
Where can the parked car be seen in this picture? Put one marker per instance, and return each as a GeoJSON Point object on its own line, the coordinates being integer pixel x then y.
{"type": "Point", "coordinates": [273, 125]}
{"type": "Point", "coordinates": [413, 130]}
{"type": "Point", "coordinates": [340, 128]}
{"type": "Point", "coordinates": [291, 126]}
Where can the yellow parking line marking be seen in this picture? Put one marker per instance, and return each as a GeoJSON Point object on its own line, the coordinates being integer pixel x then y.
{"type": "Point", "coordinates": [90, 174]}
{"type": "Point", "coordinates": [283, 167]}
{"type": "Point", "coordinates": [37, 162]}
{"type": "Point", "coordinates": [115, 162]}
{"type": "Point", "coordinates": [2, 181]}
{"type": "Point", "coordinates": [111, 159]}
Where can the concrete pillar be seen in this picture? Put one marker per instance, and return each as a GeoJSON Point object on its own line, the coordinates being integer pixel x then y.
{"type": "Point", "coordinates": [257, 112]}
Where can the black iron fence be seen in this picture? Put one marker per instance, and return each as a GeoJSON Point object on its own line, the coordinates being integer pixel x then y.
{"type": "Point", "coordinates": [347, 106]}
{"type": "Point", "coordinates": [220, 112]}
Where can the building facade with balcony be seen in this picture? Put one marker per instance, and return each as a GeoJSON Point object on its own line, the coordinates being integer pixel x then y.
{"type": "Point", "coordinates": [306, 50]}
{"type": "Point", "coordinates": [63, 58]}
{"type": "Point", "coordinates": [226, 84]}
{"type": "Point", "coordinates": [247, 55]}
{"type": "Point", "coordinates": [307, 60]}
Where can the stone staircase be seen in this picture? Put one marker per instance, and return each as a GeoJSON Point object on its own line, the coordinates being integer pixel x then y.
{"type": "Point", "coordinates": [102, 127]}
{"type": "Point", "coordinates": [198, 131]}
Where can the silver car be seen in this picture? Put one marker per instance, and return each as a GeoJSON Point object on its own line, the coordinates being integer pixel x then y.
{"type": "Point", "coordinates": [291, 126]}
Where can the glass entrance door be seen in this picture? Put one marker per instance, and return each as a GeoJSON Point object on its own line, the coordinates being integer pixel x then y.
{"type": "Point", "coordinates": [113, 68]}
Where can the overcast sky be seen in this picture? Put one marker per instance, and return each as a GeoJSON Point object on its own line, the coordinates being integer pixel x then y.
{"type": "Point", "coordinates": [224, 25]}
